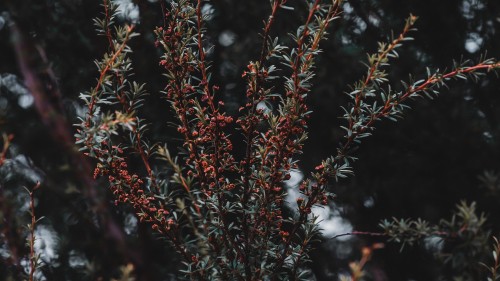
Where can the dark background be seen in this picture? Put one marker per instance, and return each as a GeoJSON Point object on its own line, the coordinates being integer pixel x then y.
{"type": "Point", "coordinates": [421, 166]}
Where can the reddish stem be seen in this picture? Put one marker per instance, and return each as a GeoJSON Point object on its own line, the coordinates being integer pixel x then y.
{"type": "Point", "coordinates": [107, 17]}
{"type": "Point", "coordinates": [32, 233]}
{"type": "Point", "coordinates": [6, 143]}
{"type": "Point", "coordinates": [103, 73]}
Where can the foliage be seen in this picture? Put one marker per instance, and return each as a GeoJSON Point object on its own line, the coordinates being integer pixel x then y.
{"type": "Point", "coordinates": [223, 215]}
{"type": "Point", "coordinates": [493, 270]}
{"type": "Point", "coordinates": [465, 231]}
{"type": "Point", "coordinates": [220, 199]}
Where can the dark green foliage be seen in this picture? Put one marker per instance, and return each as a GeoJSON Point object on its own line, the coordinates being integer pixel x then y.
{"type": "Point", "coordinates": [421, 169]}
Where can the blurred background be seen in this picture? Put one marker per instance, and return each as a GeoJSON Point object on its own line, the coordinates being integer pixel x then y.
{"type": "Point", "coordinates": [443, 151]}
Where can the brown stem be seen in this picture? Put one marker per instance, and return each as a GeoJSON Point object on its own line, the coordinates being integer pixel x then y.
{"type": "Point", "coordinates": [6, 143]}
{"type": "Point", "coordinates": [33, 258]}
{"type": "Point", "coordinates": [103, 73]}
{"type": "Point", "coordinates": [107, 18]}
{"type": "Point", "coordinates": [381, 56]}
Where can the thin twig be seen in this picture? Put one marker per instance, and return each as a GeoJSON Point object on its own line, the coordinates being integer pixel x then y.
{"type": "Point", "coordinates": [33, 258]}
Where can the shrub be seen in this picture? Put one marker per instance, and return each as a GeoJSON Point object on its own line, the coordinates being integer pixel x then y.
{"type": "Point", "coordinates": [223, 213]}
{"type": "Point", "coordinates": [221, 199]}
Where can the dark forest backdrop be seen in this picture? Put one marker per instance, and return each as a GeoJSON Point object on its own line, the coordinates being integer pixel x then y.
{"type": "Point", "coordinates": [443, 151]}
